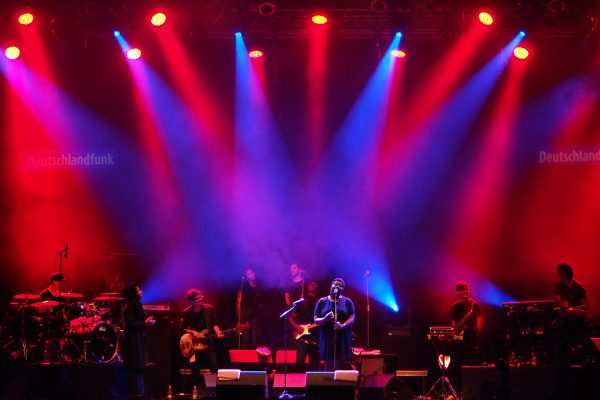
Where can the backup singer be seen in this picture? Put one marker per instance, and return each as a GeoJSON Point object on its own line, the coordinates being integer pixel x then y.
{"type": "Point", "coordinates": [199, 320]}
{"type": "Point", "coordinates": [249, 308]}
{"type": "Point", "coordinates": [302, 322]}
{"type": "Point", "coordinates": [295, 289]}
{"type": "Point", "coordinates": [334, 314]}
{"type": "Point", "coordinates": [134, 344]}
{"type": "Point", "coordinates": [467, 320]}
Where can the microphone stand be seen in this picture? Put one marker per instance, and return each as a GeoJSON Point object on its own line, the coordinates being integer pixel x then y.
{"type": "Point", "coordinates": [335, 319]}
{"type": "Point", "coordinates": [285, 395]}
{"type": "Point", "coordinates": [61, 253]}
{"type": "Point", "coordinates": [368, 313]}
{"type": "Point", "coordinates": [239, 316]}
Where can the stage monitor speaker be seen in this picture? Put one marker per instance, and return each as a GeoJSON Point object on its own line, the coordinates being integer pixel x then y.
{"type": "Point", "coordinates": [321, 385]}
{"type": "Point", "coordinates": [251, 385]}
{"type": "Point", "coordinates": [384, 387]}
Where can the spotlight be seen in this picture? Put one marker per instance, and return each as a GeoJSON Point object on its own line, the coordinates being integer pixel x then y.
{"type": "Point", "coordinates": [255, 54]}
{"type": "Point", "coordinates": [398, 53]}
{"type": "Point", "coordinates": [158, 19]}
{"type": "Point", "coordinates": [557, 6]}
{"type": "Point", "coordinates": [486, 18]}
{"type": "Point", "coordinates": [319, 19]}
{"type": "Point", "coordinates": [521, 53]}
{"type": "Point", "coordinates": [134, 54]}
{"type": "Point", "coordinates": [267, 9]}
{"type": "Point", "coordinates": [12, 53]}
{"type": "Point", "coordinates": [25, 18]}
{"type": "Point", "coordinates": [379, 6]}
{"type": "Point", "coordinates": [116, 33]}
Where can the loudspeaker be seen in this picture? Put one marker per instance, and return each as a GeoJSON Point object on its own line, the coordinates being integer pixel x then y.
{"type": "Point", "coordinates": [384, 387]}
{"type": "Point", "coordinates": [294, 383]}
{"type": "Point", "coordinates": [321, 385]}
{"type": "Point", "coordinates": [252, 385]}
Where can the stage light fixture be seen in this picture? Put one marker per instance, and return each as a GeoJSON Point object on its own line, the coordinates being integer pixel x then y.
{"type": "Point", "coordinates": [25, 18]}
{"type": "Point", "coordinates": [486, 18]}
{"type": "Point", "coordinates": [398, 53]}
{"type": "Point", "coordinates": [255, 54]}
{"type": "Point", "coordinates": [266, 9]}
{"type": "Point", "coordinates": [134, 54]}
{"type": "Point", "coordinates": [319, 19]}
{"type": "Point", "coordinates": [12, 52]}
{"type": "Point", "coordinates": [521, 53]}
{"type": "Point", "coordinates": [116, 33]}
{"type": "Point", "coordinates": [379, 6]}
{"type": "Point", "coordinates": [158, 19]}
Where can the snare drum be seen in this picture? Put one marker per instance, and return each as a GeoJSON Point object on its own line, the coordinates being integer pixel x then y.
{"type": "Point", "coordinates": [104, 344]}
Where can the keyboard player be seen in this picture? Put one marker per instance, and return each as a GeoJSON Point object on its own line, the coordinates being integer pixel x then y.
{"type": "Point", "coordinates": [568, 330]}
{"type": "Point", "coordinates": [570, 294]}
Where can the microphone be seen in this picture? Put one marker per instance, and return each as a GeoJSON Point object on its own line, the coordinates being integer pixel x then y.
{"type": "Point", "coordinates": [298, 302]}
{"type": "Point", "coordinates": [336, 293]}
{"type": "Point", "coordinates": [66, 252]}
{"type": "Point", "coordinates": [367, 273]}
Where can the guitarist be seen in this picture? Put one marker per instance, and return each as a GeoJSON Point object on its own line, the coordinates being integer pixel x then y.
{"type": "Point", "coordinates": [306, 340]}
{"type": "Point", "coordinates": [467, 320]}
{"type": "Point", "coordinates": [199, 319]}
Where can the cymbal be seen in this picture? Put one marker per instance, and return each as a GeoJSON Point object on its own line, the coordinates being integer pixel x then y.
{"type": "Point", "coordinates": [46, 303]}
{"type": "Point", "coordinates": [110, 294]}
{"type": "Point", "coordinates": [71, 295]}
{"type": "Point", "coordinates": [108, 298]}
{"type": "Point", "coordinates": [26, 296]}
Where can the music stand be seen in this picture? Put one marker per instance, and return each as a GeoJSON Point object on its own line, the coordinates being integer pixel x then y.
{"type": "Point", "coordinates": [285, 395]}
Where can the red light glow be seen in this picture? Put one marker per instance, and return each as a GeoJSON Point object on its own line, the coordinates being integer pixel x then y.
{"type": "Point", "coordinates": [158, 19]}
{"type": "Point", "coordinates": [25, 18]}
{"type": "Point", "coordinates": [255, 54]}
{"type": "Point", "coordinates": [12, 53]}
{"type": "Point", "coordinates": [486, 18]}
{"type": "Point", "coordinates": [319, 19]}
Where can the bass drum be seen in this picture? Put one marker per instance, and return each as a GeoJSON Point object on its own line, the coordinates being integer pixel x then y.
{"type": "Point", "coordinates": [104, 344]}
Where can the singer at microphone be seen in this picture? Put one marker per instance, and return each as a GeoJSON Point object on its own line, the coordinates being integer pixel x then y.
{"type": "Point", "coordinates": [335, 314]}
{"type": "Point", "coordinates": [249, 304]}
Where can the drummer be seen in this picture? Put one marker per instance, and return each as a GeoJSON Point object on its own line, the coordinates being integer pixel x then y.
{"type": "Point", "coordinates": [52, 292]}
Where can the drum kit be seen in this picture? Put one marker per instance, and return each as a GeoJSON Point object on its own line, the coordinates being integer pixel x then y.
{"type": "Point", "coordinates": [68, 330]}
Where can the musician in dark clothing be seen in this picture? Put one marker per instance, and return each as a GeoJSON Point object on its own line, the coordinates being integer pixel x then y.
{"type": "Point", "coordinates": [52, 292]}
{"type": "Point", "coordinates": [466, 316]}
{"type": "Point", "coordinates": [135, 323]}
{"type": "Point", "coordinates": [306, 339]}
{"type": "Point", "coordinates": [335, 314]}
{"type": "Point", "coordinates": [295, 288]}
{"type": "Point", "coordinates": [568, 330]}
{"type": "Point", "coordinates": [569, 292]}
{"type": "Point", "coordinates": [249, 308]}
{"type": "Point", "coordinates": [200, 321]}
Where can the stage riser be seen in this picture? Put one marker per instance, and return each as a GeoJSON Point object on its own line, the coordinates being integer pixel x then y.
{"type": "Point", "coordinates": [531, 383]}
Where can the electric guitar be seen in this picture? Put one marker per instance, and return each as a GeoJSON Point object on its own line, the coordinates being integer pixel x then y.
{"type": "Point", "coordinates": [189, 344]}
{"type": "Point", "coordinates": [459, 326]}
{"type": "Point", "coordinates": [305, 331]}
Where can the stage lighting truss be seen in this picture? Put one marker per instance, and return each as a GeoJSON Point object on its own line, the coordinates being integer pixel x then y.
{"type": "Point", "coordinates": [426, 19]}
